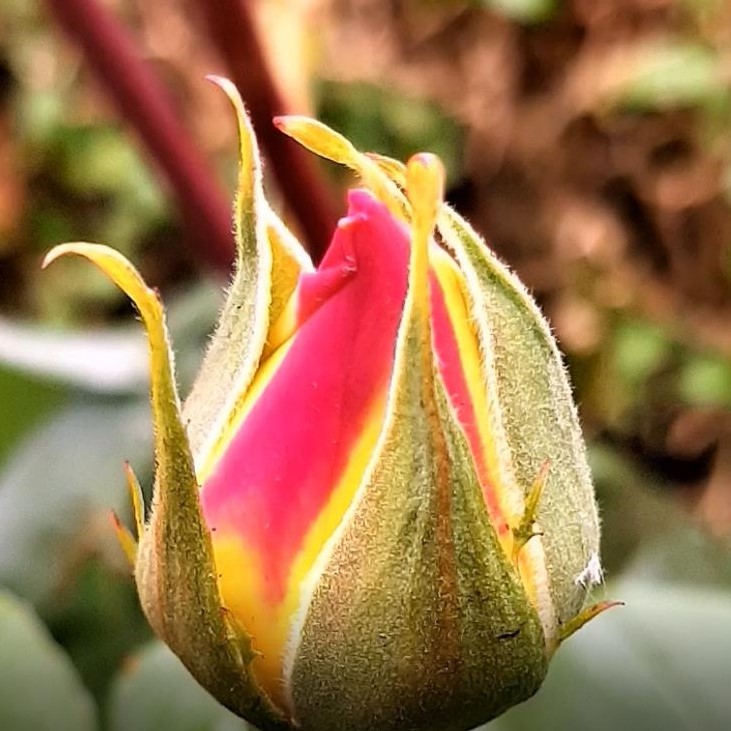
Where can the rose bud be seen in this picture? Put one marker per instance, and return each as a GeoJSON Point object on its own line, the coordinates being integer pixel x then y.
{"type": "Point", "coordinates": [374, 510]}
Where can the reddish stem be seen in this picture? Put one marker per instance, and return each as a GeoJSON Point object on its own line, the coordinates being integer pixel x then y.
{"type": "Point", "coordinates": [143, 101]}
{"type": "Point", "coordinates": [232, 31]}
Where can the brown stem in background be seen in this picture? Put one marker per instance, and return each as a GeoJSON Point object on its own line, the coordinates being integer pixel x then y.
{"type": "Point", "coordinates": [143, 101]}
{"type": "Point", "coordinates": [232, 31]}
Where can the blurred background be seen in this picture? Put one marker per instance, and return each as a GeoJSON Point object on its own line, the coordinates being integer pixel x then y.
{"type": "Point", "coordinates": [589, 141]}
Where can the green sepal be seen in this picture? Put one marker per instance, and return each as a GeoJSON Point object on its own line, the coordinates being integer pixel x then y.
{"type": "Point", "coordinates": [175, 569]}
{"type": "Point", "coordinates": [540, 421]}
{"type": "Point", "coordinates": [268, 262]}
{"type": "Point", "coordinates": [433, 631]}
{"type": "Point", "coordinates": [525, 377]}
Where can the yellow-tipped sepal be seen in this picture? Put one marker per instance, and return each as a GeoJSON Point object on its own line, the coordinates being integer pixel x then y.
{"type": "Point", "coordinates": [174, 567]}
{"type": "Point", "coordinates": [269, 261]}
{"type": "Point", "coordinates": [455, 614]}
{"type": "Point", "coordinates": [415, 602]}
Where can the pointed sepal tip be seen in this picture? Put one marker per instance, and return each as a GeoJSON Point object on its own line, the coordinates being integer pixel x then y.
{"type": "Point", "coordinates": [584, 617]}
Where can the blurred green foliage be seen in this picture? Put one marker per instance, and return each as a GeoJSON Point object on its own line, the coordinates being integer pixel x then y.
{"type": "Point", "coordinates": [524, 11]}
{"type": "Point", "coordinates": [72, 637]}
{"type": "Point", "coordinates": [25, 401]}
{"type": "Point", "coordinates": [662, 662]}
{"type": "Point", "coordinates": [156, 692]}
{"type": "Point", "coordinates": [39, 687]}
{"type": "Point", "coordinates": [674, 74]}
{"type": "Point", "coordinates": [114, 198]}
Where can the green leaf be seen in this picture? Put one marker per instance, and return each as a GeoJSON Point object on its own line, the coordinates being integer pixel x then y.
{"type": "Point", "coordinates": [107, 361]}
{"type": "Point", "coordinates": [39, 688]}
{"type": "Point", "coordinates": [660, 662]}
{"type": "Point", "coordinates": [156, 693]}
{"type": "Point", "coordinates": [524, 11]}
{"type": "Point", "coordinates": [705, 380]}
{"type": "Point", "coordinates": [639, 349]}
{"type": "Point", "coordinates": [25, 400]}
{"type": "Point", "coordinates": [98, 621]}
{"type": "Point", "coordinates": [686, 555]}
{"type": "Point", "coordinates": [57, 489]}
{"type": "Point", "coordinates": [672, 74]}
{"type": "Point", "coordinates": [98, 160]}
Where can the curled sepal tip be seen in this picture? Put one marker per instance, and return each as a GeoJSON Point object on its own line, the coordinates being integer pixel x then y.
{"type": "Point", "coordinates": [425, 191]}
{"type": "Point", "coordinates": [128, 279]}
{"type": "Point", "coordinates": [228, 87]}
{"type": "Point", "coordinates": [123, 274]}
{"type": "Point", "coordinates": [326, 142]}
{"type": "Point", "coordinates": [179, 596]}
{"type": "Point", "coordinates": [171, 446]}
{"type": "Point", "coordinates": [169, 431]}
{"type": "Point", "coordinates": [249, 193]}
{"type": "Point", "coordinates": [318, 138]}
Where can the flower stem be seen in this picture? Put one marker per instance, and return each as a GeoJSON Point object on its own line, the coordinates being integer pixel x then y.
{"type": "Point", "coordinates": [231, 28]}
{"type": "Point", "coordinates": [143, 101]}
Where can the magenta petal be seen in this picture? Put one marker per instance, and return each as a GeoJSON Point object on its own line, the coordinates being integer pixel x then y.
{"type": "Point", "coordinates": [279, 469]}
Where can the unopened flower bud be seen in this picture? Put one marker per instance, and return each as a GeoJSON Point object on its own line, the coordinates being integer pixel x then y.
{"type": "Point", "coordinates": [374, 510]}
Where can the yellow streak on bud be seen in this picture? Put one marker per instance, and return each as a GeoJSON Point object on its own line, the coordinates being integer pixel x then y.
{"type": "Point", "coordinates": [265, 373]}
{"type": "Point", "coordinates": [240, 574]}
{"type": "Point", "coordinates": [283, 329]}
{"type": "Point", "coordinates": [452, 285]}
{"type": "Point", "coordinates": [425, 191]}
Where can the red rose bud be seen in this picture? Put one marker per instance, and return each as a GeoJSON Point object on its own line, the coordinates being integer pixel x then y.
{"type": "Point", "coordinates": [374, 510]}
